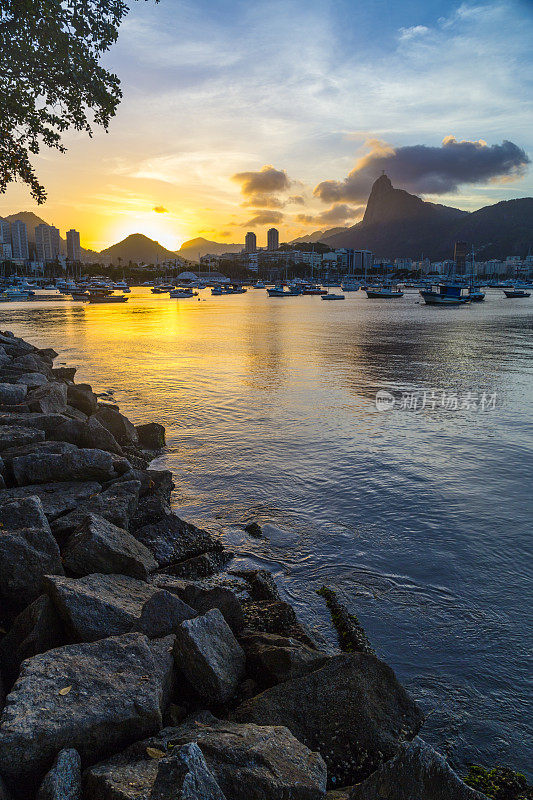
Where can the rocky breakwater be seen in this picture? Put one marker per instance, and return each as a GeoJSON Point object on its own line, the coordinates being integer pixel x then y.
{"type": "Point", "coordinates": [135, 664]}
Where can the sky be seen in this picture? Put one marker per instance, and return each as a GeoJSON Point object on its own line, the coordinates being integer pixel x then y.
{"type": "Point", "coordinates": [238, 116]}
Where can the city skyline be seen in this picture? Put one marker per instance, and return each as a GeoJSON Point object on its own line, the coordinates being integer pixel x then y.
{"type": "Point", "coordinates": [289, 126]}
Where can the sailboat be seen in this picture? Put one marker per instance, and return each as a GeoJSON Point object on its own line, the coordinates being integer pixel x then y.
{"type": "Point", "coordinates": [475, 294]}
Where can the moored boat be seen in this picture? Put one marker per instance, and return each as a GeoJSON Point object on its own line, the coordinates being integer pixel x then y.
{"type": "Point", "coordinates": [514, 293]}
{"type": "Point", "coordinates": [332, 296]}
{"type": "Point", "coordinates": [385, 291]}
{"type": "Point", "coordinates": [446, 294]}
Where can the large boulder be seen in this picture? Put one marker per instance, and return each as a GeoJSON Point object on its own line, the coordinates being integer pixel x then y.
{"type": "Point", "coordinates": [352, 710]}
{"type": "Point", "coordinates": [163, 654]}
{"type": "Point", "coordinates": [271, 659]}
{"type": "Point", "coordinates": [88, 433]}
{"type": "Point", "coordinates": [96, 698]}
{"type": "Point", "coordinates": [117, 503]}
{"type": "Point", "coordinates": [117, 424]}
{"type": "Point", "coordinates": [12, 393]}
{"type": "Point", "coordinates": [82, 397]}
{"type": "Point", "coordinates": [32, 380]}
{"type": "Point", "coordinates": [48, 399]}
{"type": "Point", "coordinates": [151, 435]}
{"type": "Point", "coordinates": [28, 551]}
{"type": "Point", "coordinates": [209, 656]}
{"type": "Point", "coordinates": [203, 596]}
{"type": "Point", "coordinates": [97, 606]}
{"type": "Point", "coordinates": [78, 465]}
{"type": "Point", "coordinates": [173, 540]}
{"type": "Point", "coordinates": [248, 762]}
{"type": "Point", "coordinates": [63, 782]}
{"type": "Point", "coordinates": [31, 362]}
{"type": "Point", "coordinates": [17, 435]}
{"type": "Point", "coordinates": [416, 771]}
{"type": "Point", "coordinates": [65, 374]}
{"type": "Point", "coordinates": [48, 423]}
{"type": "Point", "coordinates": [99, 546]}
{"type": "Point", "coordinates": [36, 629]}
{"type": "Point", "coordinates": [56, 498]}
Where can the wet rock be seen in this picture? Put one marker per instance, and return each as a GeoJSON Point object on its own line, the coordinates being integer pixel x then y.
{"type": "Point", "coordinates": [116, 504]}
{"type": "Point", "coordinates": [99, 546]}
{"type": "Point", "coordinates": [203, 596]}
{"type": "Point", "coordinates": [278, 618]}
{"type": "Point", "coordinates": [32, 380]}
{"type": "Point", "coordinates": [209, 656]}
{"type": "Point", "coordinates": [416, 771]}
{"type": "Point", "coordinates": [77, 465]}
{"type": "Point", "coordinates": [63, 782]}
{"type": "Point", "coordinates": [154, 482]}
{"type": "Point", "coordinates": [17, 435]}
{"type": "Point", "coordinates": [173, 540]}
{"type": "Point", "coordinates": [48, 399]}
{"type": "Point", "coordinates": [64, 373]}
{"type": "Point", "coordinates": [152, 508]}
{"type": "Point", "coordinates": [28, 551]}
{"type": "Point", "coordinates": [97, 606]}
{"type": "Point", "coordinates": [151, 436]}
{"type": "Point", "coordinates": [12, 393]}
{"type": "Point", "coordinates": [202, 566]}
{"type": "Point", "coordinates": [352, 710]}
{"type": "Point", "coordinates": [253, 529]}
{"type": "Point", "coordinates": [48, 354]}
{"type": "Point", "coordinates": [96, 698]}
{"type": "Point", "coordinates": [163, 654]}
{"type": "Point", "coordinates": [351, 634]}
{"type": "Point", "coordinates": [88, 433]}
{"type": "Point", "coordinates": [82, 397]}
{"type": "Point", "coordinates": [117, 424]}
{"type": "Point", "coordinates": [35, 630]}
{"type": "Point", "coordinates": [271, 659]}
{"type": "Point", "coordinates": [56, 498]}
{"type": "Point", "coordinates": [262, 586]}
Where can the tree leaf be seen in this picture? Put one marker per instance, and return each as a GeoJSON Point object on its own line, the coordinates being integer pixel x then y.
{"type": "Point", "coordinates": [65, 690]}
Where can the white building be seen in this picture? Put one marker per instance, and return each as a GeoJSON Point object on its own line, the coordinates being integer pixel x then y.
{"type": "Point", "coordinates": [47, 243]}
{"type": "Point", "coordinates": [312, 260]}
{"type": "Point", "coordinates": [19, 240]}
{"type": "Point", "coordinates": [73, 245]}
{"type": "Point", "coordinates": [5, 240]}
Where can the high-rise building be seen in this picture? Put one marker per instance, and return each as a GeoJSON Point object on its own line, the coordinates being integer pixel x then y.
{"type": "Point", "coordinates": [47, 243]}
{"type": "Point", "coordinates": [19, 240]}
{"type": "Point", "coordinates": [73, 245]}
{"type": "Point", "coordinates": [5, 240]}
{"type": "Point", "coordinates": [250, 242]}
{"type": "Point", "coordinates": [459, 256]}
{"type": "Point", "coordinates": [273, 239]}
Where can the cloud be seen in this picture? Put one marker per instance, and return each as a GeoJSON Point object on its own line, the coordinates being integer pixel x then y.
{"type": "Point", "coordinates": [297, 199]}
{"type": "Point", "coordinates": [337, 214]}
{"type": "Point", "coordinates": [264, 218]}
{"type": "Point", "coordinates": [160, 210]}
{"type": "Point", "coordinates": [260, 187]}
{"type": "Point", "coordinates": [428, 170]}
{"type": "Point", "coordinates": [263, 201]}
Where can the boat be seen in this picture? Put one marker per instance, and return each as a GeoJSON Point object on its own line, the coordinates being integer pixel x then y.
{"type": "Point", "coordinates": [314, 290]}
{"type": "Point", "coordinates": [80, 295]}
{"type": "Point", "coordinates": [350, 286]}
{"type": "Point", "coordinates": [182, 294]}
{"type": "Point", "coordinates": [11, 293]}
{"type": "Point", "coordinates": [446, 294]}
{"type": "Point", "coordinates": [217, 291]}
{"type": "Point", "coordinates": [109, 298]}
{"type": "Point", "coordinates": [475, 295]}
{"type": "Point", "coordinates": [279, 291]}
{"type": "Point", "coordinates": [331, 296]}
{"type": "Point", "coordinates": [259, 285]}
{"type": "Point", "coordinates": [162, 288]}
{"type": "Point", "coordinates": [514, 293]}
{"type": "Point", "coordinates": [384, 291]}
{"type": "Point", "coordinates": [122, 286]}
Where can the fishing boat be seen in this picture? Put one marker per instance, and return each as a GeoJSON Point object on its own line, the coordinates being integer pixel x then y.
{"type": "Point", "coordinates": [332, 296]}
{"type": "Point", "coordinates": [314, 290]}
{"type": "Point", "coordinates": [384, 291]}
{"type": "Point", "coordinates": [183, 294]}
{"type": "Point", "coordinates": [446, 294]}
{"type": "Point", "coordinates": [279, 291]}
{"type": "Point", "coordinates": [514, 293]}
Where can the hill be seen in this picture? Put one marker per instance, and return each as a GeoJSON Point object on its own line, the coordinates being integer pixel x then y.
{"type": "Point", "coordinates": [194, 248]}
{"type": "Point", "coordinates": [317, 236]}
{"type": "Point", "coordinates": [32, 220]}
{"type": "Point", "coordinates": [397, 224]}
{"type": "Point", "coordinates": [137, 248]}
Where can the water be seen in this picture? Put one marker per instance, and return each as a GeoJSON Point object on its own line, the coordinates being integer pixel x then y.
{"type": "Point", "coordinates": [420, 520]}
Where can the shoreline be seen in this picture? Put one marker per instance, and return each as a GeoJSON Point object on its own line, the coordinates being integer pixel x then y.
{"type": "Point", "coordinates": [98, 577]}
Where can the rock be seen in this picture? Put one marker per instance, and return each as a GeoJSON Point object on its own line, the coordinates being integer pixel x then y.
{"type": "Point", "coordinates": [247, 761]}
{"type": "Point", "coordinates": [33, 363]}
{"type": "Point", "coordinates": [78, 465]}
{"type": "Point", "coordinates": [203, 596]}
{"type": "Point", "coordinates": [48, 354]}
{"type": "Point", "coordinates": [35, 630]}
{"type": "Point", "coordinates": [99, 546]}
{"type": "Point", "coordinates": [209, 656]}
{"type": "Point", "coordinates": [163, 654]}
{"type": "Point", "coordinates": [12, 393]}
{"type": "Point", "coordinates": [86, 434]}
{"type": "Point", "coordinates": [154, 481]}
{"type": "Point", "coordinates": [63, 782]}
{"type": "Point", "coordinates": [28, 551]}
{"type": "Point", "coordinates": [16, 435]}
{"type": "Point", "coordinates": [416, 771]}
{"type": "Point", "coordinates": [352, 710]}
{"type": "Point", "coordinates": [96, 698]}
{"type": "Point", "coordinates": [32, 379]}
{"type": "Point", "coordinates": [152, 508]}
{"type": "Point", "coordinates": [351, 634]}
{"type": "Point", "coordinates": [173, 540]}
{"type": "Point", "coordinates": [278, 618]}
{"type": "Point", "coordinates": [117, 424]}
{"type": "Point", "coordinates": [116, 504]}
{"type": "Point", "coordinates": [82, 397]}
{"type": "Point", "coordinates": [48, 399]}
{"type": "Point", "coordinates": [201, 566]}
{"type": "Point", "coordinates": [271, 659]}
{"type": "Point", "coordinates": [151, 436]}
{"type": "Point", "coordinates": [97, 606]}
{"type": "Point", "coordinates": [253, 529]}
{"type": "Point", "coordinates": [56, 498]}
{"type": "Point", "coordinates": [74, 413]}
{"type": "Point", "coordinates": [4, 794]}
{"type": "Point", "coordinates": [64, 373]}
{"type": "Point", "coordinates": [48, 423]}
{"type": "Point", "coordinates": [261, 584]}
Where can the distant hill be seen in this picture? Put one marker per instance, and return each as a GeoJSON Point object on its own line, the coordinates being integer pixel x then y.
{"type": "Point", "coordinates": [194, 248]}
{"type": "Point", "coordinates": [397, 224]}
{"type": "Point", "coordinates": [32, 220]}
{"type": "Point", "coordinates": [317, 236]}
{"type": "Point", "coordinates": [137, 248]}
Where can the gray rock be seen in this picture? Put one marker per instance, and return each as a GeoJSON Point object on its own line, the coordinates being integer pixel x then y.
{"type": "Point", "coordinates": [16, 435]}
{"type": "Point", "coordinates": [203, 596]}
{"type": "Point", "coordinates": [86, 434]}
{"type": "Point", "coordinates": [254, 529]}
{"type": "Point", "coordinates": [48, 399]}
{"type": "Point", "coordinates": [44, 422]}
{"type": "Point", "coordinates": [56, 498]}
{"type": "Point", "coordinates": [74, 413]}
{"type": "Point", "coordinates": [416, 771]}
{"type": "Point", "coordinates": [209, 656]}
{"type": "Point", "coordinates": [352, 710]}
{"type": "Point", "coordinates": [99, 546]}
{"type": "Point", "coordinates": [277, 618]}
{"type": "Point", "coordinates": [12, 393]}
{"type": "Point", "coordinates": [117, 424]}
{"type": "Point", "coordinates": [247, 761]}
{"type": "Point", "coordinates": [47, 353]}
{"type": "Point", "coordinates": [28, 551]}
{"type": "Point", "coordinates": [97, 606]}
{"type": "Point", "coordinates": [33, 363]}
{"type": "Point", "coordinates": [64, 373]}
{"type": "Point", "coordinates": [82, 397]}
{"type": "Point", "coordinates": [32, 380]}
{"type": "Point", "coordinates": [202, 566]}
{"type": "Point", "coordinates": [163, 654]}
{"type": "Point", "coordinates": [261, 584]}
{"type": "Point", "coordinates": [35, 630]}
{"type": "Point", "coordinates": [152, 508]}
{"type": "Point", "coordinates": [4, 794]}
{"type": "Point", "coordinates": [151, 435]}
{"type": "Point", "coordinates": [78, 465]}
{"type": "Point", "coordinates": [63, 782]}
{"type": "Point", "coordinates": [116, 504]}
{"type": "Point", "coordinates": [96, 698]}
{"type": "Point", "coordinates": [173, 540]}
{"type": "Point", "coordinates": [271, 659]}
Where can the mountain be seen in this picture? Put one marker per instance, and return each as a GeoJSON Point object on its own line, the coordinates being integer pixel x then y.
{"type": "Point", "coordinates": [137, 248]}
{"type": "Point", "coordinates": [397, 224]}
{"type": "Point", "coordinates": [194, 248]}
{"type": "Point", "coordinates": [317, 236]}
{"type": "Point", "coordinates": [32, 220]}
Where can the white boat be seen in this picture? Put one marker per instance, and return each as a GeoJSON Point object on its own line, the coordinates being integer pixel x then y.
{"type": "Point", "coordinates": [182, 294]}
{"type": "Point", "coordinates": [259, 285]}
{"type": "Point", "coordinates": [446, 294]}
{"type": "Point", "coordinates": [383, 291]}
{"type": "Point", "coordinates": [331, 296]}
{"type": "Point", "coordinates": [122, 286]}
{"type": "Point", "coordinates": [10, 293]}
